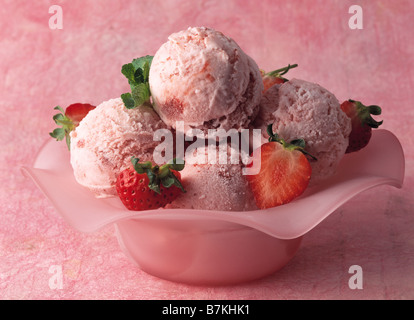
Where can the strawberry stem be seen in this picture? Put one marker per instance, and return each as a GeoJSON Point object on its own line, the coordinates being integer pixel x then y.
{"type": "Point", "coordinates": [280, 72]}
{"type": "Point", "coordinates": [365, 112]}
{"type": "Point", "coordinates": [159, 175]}
{"type": "Point", "coordinates": [66, 126]}
{"type": "Point", "coordinates": [296, 144]}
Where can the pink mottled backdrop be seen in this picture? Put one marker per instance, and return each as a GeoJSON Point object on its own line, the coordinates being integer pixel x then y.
{"type": "Point", "coordinates": [41, 68]}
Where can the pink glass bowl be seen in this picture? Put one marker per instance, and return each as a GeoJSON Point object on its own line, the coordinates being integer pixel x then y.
{"type": "Point", "coordinates": [215, 247]}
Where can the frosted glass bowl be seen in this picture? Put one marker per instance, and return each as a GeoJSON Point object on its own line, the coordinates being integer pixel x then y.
{"type": "Point", "coordinates": [215, 247]}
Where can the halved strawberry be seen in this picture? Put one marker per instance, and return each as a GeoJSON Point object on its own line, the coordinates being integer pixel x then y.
{"type": "Point", "coordinates": [69, 119]}
{"type": "Point", "coordinates": [362, 123]}
{"type": "Point", "coordinates": [284, 174]}
{"type": "Point", "coordinates": [144, 186]}
{"type": "Point", "coordinates": [275, 77]}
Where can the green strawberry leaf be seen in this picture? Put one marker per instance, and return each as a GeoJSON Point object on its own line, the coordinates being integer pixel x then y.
{"type": "Point", "coordinates": [159, 175]}
{"type": "Point", "coordinates": [141, 167]}
{"type": "Point", "coordinates": [140, 94]}
{"type": "Point", "coordinates": [134, 161]}
{"type": "Point", "coordinates": [273, 136]}
{"type": "Point", "coordinates": [128, 71]}
{"type": "Point", "coordinates": [59, 108]}
{"type": "Point", "coordinates": [139, 77]}
{"type": "Point", "coordinates": [137, 73]}
{"type": "Point", "coordinates": [299, 143]}
{"type": "Point", "coordinates": [154, 182]}
{"type": "Point", "coordinates": [142, 63]}
{"type": "Point", "coordinates": [146, 69]}
{"type": "Point", "coordinates": [296, 144]}
{"type": "Point", "coordinates": [66, 126]}
{"type": "Point", "coordinates": [176, 166]}
{"type": "Point", "coordinates": [128, 100]}
{"type": "Point", "coordinates": [167, 181]}
{"type": "Point", "coordinates": [58, 134]}
{"type": "Point", "coordinates": [58, 118]}
{"type": "Point", "coordinates": [375, 110]}
{"type": "Point", "coordinates": [177, 182]}
{"type": "Point", "coordinates": [282, 71]}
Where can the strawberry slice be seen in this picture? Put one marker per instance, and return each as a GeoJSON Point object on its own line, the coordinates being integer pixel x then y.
{"type": "Point", "coordinates": [69, 119]}
{"type": "Point", "coordinates": [275, 77]}
{"type": "Point", "coordinates": [362, 123]}
{"type": "Point", "coordinates": [284, 173]}
{"type": "Point", "coordinates": [144, 186]}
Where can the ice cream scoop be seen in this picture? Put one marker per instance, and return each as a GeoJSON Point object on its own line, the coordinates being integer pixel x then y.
{"type": "Point", "coordinates": [202, 77]}
{"type": "Point", "coordinates": [215, 186]}
{"type": "Point", "coordinates": [300, 109]}
{"type": "Point", "coordinates": [106, 139]}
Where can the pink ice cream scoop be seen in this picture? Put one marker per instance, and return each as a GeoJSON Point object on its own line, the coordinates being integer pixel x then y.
{"type": "Point", "coordinates": [106, 139]}
{"type": "Point", "coordinates": [300, 109]}
{"type": "Point", "coordinates": [215, 186]}
{"type": "Point", "coordinates": [203, 78]}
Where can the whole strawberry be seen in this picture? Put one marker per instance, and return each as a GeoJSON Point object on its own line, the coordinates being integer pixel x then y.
{"type": "Point", "coordinates": [362, 123]}
{"type": "Point", "coordinates": [144, 186]}
{"type": "Point", "coordinates": [275, 77]}
{"type": "Point", "coordinates": [69, 119]}
{"type": "Point", "coordinates": [284, 174]}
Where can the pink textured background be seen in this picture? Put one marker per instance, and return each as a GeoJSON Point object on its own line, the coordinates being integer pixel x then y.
{"type": "Point", "coordinates": [41, 68]}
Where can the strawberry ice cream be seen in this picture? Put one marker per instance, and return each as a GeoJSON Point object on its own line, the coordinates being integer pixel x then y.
{"type": "Point", "coordinates": [106, 139]}
{"type": "Point", "coordinates": [203, 78]}
{"type": "Point", "coordinates": [268, 105]}
{"type": "Point", "coordinates": [300, 109]}
{"type": "Point", "coordinates": [220, 186]}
